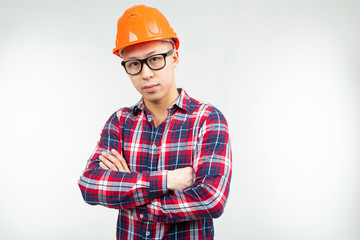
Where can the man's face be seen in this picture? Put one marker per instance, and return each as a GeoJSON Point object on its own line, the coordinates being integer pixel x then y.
{"type": "Point", "coordinates": [156, 86]}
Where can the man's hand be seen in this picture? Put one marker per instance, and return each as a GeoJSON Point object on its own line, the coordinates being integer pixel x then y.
{"type": "Point", "coordinates": [180, 178]}
{"type": "Point", "coordinates": [114, 162]}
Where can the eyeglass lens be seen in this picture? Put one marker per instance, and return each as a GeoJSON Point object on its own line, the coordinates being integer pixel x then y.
{"type": "Point", "coordinates": [154, 62]}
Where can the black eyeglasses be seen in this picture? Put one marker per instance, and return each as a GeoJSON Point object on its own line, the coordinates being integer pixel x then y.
{"type": "Point", "coordinates": [154, 62]}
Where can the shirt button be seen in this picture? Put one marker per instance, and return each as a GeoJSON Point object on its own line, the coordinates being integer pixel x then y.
{"type": "Point", "coordinates": [153, 146]}
{"type": "Point", "coordinates": [149, 119]}
{"type": "Point", "coordinates": [147, 233]}
{"type": "Point", "coordinates": [141, 216]}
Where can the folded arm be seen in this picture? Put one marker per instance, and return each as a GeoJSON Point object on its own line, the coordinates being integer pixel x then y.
{"type": "Point", "coordinates": [117, 189]}
{"type": "Point", "coordinates": [108, 181]}
{"type": "Point", "coordinates": [206, 198]}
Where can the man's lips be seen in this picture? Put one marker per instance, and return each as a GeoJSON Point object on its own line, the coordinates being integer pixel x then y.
{"type": "Point", "coordinates": [150, 87]}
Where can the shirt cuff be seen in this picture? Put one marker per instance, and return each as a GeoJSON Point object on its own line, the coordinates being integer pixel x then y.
{"type": "Point", "coordinates": [158, 183]}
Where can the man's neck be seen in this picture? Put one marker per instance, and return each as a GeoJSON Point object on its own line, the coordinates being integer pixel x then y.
{"type": "Point", "coordinates": [159, 108]}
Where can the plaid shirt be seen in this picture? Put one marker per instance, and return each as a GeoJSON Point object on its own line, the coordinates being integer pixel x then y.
{"type": "Point", "coordinates": [193, 134]}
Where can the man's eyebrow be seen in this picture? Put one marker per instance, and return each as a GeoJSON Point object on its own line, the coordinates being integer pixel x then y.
{"type": "Point", "coordinates": [147, 55]}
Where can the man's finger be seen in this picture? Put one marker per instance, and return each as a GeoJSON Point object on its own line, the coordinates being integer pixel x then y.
{"type": "Point", "coordinates": [122, 160]}
{"type": "Point", "coordinates": [113, 160]}
{"type": "Point", "coordinates": [104, 163]}
{"type": "Point", "coordinates": [108, 163]}
{"type": "Point", "coordinates": [103, 166]}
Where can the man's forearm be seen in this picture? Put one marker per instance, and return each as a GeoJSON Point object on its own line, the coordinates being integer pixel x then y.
{"type": "Point", "coordinates": [200, 200]}
{"type": "Point", "coordinates": [116, 189]}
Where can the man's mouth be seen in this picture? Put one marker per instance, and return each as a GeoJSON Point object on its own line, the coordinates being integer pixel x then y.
{"type": "Point", "coordinates": [150, 87]}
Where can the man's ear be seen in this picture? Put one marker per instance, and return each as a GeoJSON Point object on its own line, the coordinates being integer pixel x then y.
{"type": "Point", "coordinates": [175, 58]}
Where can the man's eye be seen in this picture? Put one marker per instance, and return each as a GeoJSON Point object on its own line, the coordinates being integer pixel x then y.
{"type": "Point", "coordinates": [154, 59]}
{"type": "Point", "coordinates": [133, 64]}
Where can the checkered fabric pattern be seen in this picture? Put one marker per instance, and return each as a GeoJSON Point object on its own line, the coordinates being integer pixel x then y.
{"type": "Point", "coordinates": [194, 134]}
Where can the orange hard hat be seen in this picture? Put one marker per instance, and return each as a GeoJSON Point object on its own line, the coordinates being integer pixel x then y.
{"type": "Point", "coordinates": [141, 24]}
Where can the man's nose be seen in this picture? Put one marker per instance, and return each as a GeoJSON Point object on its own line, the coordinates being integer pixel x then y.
{"type": "Point", "coordinates": [146, 72]}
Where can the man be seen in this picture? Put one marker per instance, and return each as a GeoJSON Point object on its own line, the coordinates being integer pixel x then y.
{"type": "Point", "coordinates": [164, 163]}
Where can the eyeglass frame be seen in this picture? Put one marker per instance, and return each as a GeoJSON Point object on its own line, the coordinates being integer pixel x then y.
{"type": "Point", "coordinates": [144, 60]}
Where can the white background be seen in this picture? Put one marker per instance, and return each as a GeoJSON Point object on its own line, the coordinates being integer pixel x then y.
{"type": "Point", "coordinates": [285, 73]}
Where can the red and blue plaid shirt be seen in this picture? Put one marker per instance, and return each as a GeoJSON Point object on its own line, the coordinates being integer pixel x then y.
{"type": "Point", "coordinates": [194, 134]}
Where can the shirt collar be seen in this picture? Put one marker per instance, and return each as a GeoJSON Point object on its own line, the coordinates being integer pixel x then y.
{"type": "Point", "coordinates": [182, 102]}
